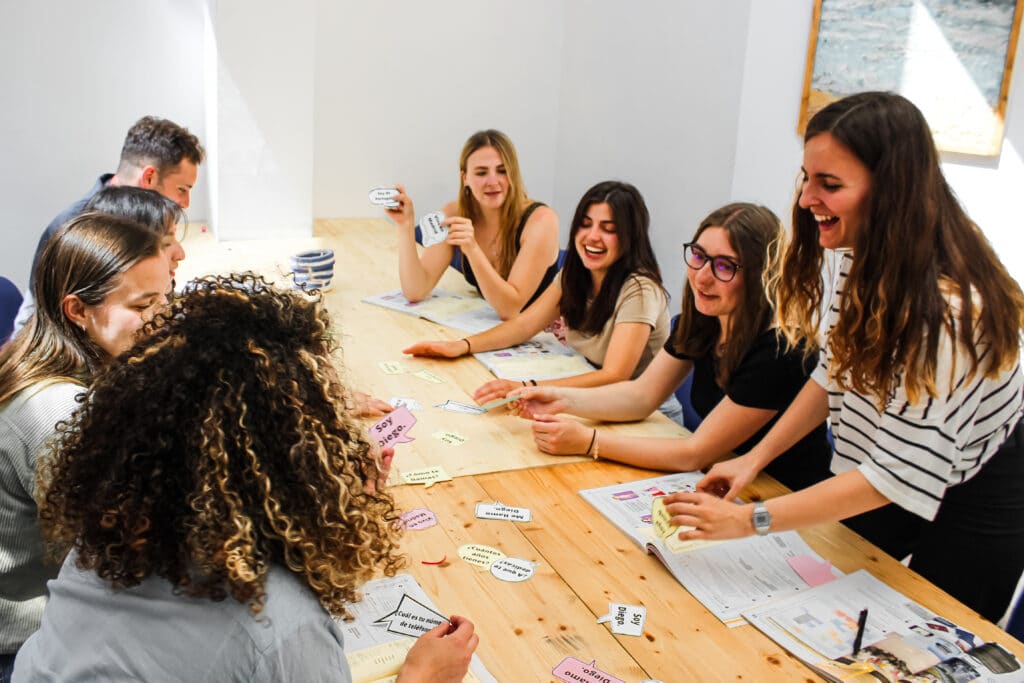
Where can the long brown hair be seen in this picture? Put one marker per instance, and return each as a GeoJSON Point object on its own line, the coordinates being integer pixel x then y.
{"type": "Point", "coordinates": [915, 248]}
{"type": "Point", "coordinates": [87, 258]}
{"type": "Point", "coordinates": [755, 233]}
{"type": "Point", "coordinates": [515, 203]}
{"type": "Point", "coordinates": [219, 448]}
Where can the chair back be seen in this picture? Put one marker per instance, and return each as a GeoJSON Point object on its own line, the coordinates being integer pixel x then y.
{"type": "Point", "coordinates": [691, 420]}
{"type": "Point", "coordinates": [10, 302]}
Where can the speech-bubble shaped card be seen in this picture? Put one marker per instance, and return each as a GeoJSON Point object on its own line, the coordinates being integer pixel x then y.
{"type": "Point", "coordinates": [428, 376]}
{"type": "Point", "coordinates": [513, 569]}
{"type": "Point", "coordinates": [482, 556]}
{"type": "Point", "coordinates": [427, 476]}
{"type": "Point", "coordinates": [393, 428]}
{"type": "Point", "coordinates": [625, 620]}
{"type": "Point", "coordinates": [457, 407]}
{"type": "Point", "coordinates": [391, 367]}
{"type": "Point", "coordinates": [572, 670]}
{"type": "Point", "coordinates": [499, 510]}
{"type": "Point", "coordinates": [411, 618]}
{"type": "Point", "coordinates": [384, 196]}
{"type": "Point", "coordinates": [418, 519]}
{"type": "Point", "coordinates": [449, 438]}
{"type": "Point", "coordinates": [432, 230]}
{"type": "Point", "coordinates": [403, 401]}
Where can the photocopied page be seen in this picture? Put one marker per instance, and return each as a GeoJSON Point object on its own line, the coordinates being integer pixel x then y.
{"type": "Point", "coordinates": [463, 312]}
{"type": "Point", "coordinates": [374, 650]}
{"type": "Point", "coordinates": [543, 357]}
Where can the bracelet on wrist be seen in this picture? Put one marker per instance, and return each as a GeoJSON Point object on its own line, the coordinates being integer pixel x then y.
{"type": "Point", "coordinates": [469, 347]}
{"type": "Point", "coordinates": [593, 443]}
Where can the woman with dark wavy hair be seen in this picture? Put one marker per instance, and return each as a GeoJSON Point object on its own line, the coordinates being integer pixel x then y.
{"type": "Point", "coordinates": [919, 368]}
{"type": "Point", "coordinates": [96, 281]}
{"type": "Point", "coordinates": [743, 376]}
{"type": "Point", "coordinates": [609, 294]}
{"type": "Point", "coordinates": [220, 506]}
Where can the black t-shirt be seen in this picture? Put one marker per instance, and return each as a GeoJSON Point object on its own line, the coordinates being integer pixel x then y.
{"type": "Point", "coordinates": [767, 377]}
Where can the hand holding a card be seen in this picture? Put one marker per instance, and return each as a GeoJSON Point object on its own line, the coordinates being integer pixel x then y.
{"type": "Point", "coordinates": [438, 349]}
{"type": "Point", "coordinates": [462, 234]}
{"type": "Point", "coordinates": [442, 654]}
{"type": "Point", "coordinates": [495, 389]}
{"type": "Point", "coordinates": [560, 436]}
{"type": "Point", "coordinates": [403, 214]}
{"type": "Point", "coordinates": [534, 401]}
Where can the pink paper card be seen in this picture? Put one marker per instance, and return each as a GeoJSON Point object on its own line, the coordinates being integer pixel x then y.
{"type": "Point", "coordinates": [572, 670]}
{"type": "Point", "coordinates": [811, 570]}
{"type": "Point", "coordinates": [393, 428]}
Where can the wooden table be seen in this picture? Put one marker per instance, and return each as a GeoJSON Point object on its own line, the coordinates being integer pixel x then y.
{"type": "Point", "coordinates": [584, 562]}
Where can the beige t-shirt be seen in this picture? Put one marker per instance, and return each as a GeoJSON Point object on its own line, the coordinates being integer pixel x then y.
{"type": "Point", "coordinates": [641, 300]}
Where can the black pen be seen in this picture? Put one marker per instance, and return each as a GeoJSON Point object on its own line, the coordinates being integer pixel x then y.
{"type": "Point", "coordinates": [862, 620]}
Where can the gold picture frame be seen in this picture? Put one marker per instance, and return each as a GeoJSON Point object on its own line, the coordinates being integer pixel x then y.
{"type": "Point", "coordinates": [952, 58]}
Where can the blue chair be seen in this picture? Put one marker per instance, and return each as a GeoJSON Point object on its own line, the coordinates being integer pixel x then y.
{"type": "Point", "coordinates": [10, 302]}
{"type": "Point", "coordinates": [1015, 625]}
{"type": "Point", "coordinates": [561, 258]}
{"type": "Point", "coordinates": [456, 257]}
{"type": "Point", "coordinates": [691, 420]}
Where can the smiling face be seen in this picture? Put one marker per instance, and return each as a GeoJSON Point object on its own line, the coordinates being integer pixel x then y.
{"type": "Point", "coordinates": [113, 323]}
{"type": "Point", "coordinates": [711, 296]}
{"type": "Point", "coordinates": [486, 178]}
{"type": "Point", "coordinates": [597, 240]}
{"type": "Point", "coordinates": [836, 190]}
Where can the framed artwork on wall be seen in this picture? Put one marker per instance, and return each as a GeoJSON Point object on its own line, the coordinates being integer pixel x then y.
{"type": "Point", "coordinates": [952, 58]}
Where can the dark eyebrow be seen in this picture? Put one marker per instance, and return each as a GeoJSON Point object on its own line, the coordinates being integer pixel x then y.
{"type": "Point", "coordinates": [820, 175]}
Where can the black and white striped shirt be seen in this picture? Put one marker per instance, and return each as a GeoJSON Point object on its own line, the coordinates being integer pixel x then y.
{"type": "Point", "coordinates": [911, 453]}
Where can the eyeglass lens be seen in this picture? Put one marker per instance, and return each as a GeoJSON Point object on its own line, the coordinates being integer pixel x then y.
{"type": "Point", "coordinates": [722, 268]}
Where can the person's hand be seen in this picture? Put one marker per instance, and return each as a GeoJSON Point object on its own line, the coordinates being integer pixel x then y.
{"type": "Point", "coordinates": [403, 214]}
{"type": "Point", "coordinates": [437, 349]}
{"type": "Point", "coordinates": [559, 436]}
{"type": "Point", "coordinates": [711, 517]}
{"type": "Point", "coordinates": [495, 389]}
{"type": "Point", "coordinates": [441, 655]}
{"type": "Point", "coordinates": [461, 234]}
{"type": "Point", "coordinates": [379, 482]}
{"type": "Point", "coordinates": [727, 478]}
{"type": "Point", "coordinates": [369, 406]}
{"type": "Point", "coordinates": [533, 401]}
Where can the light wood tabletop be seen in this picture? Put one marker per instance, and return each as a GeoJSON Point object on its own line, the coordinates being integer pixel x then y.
{"type": "Point", "coordinates": [583, 561]}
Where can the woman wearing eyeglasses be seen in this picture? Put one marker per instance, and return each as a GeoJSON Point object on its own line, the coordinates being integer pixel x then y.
{"type": "Point", "coordinates": [743, 376]}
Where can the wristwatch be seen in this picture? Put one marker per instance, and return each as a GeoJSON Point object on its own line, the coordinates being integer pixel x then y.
{"type": "Point", "coordinates": [762, 518]}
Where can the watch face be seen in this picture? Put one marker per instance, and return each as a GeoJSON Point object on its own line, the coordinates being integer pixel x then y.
{"type": "Point", "coordinates": [762, 518]}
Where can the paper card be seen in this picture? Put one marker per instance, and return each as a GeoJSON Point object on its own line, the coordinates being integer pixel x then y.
{"type": "Point", "coordinates": [391, 367]}
{"type": "Point", "coordinates": [427, 476]}
{"type": "Point", "coordinates": [431, 229]}
{"type": "Point", "coordinates": [450, 438]}
{"type": "Point", "coordinates": [499, 510]}
{"type": "Point", "coordinates": [625, 620]}
{"type": "Point", "coordinates": [513, 569]}
{"type": "Point", "coordinates": [810, 570]}
{"type": "Point", "coordinates": [457, 407]}
{"type": "Point", "coordinates": [393, 428]}
{"type": "Point", "coordinates": [410, 403]}
{"type": "Point", "coordinates": [429, 376]}
{"type": "Point", "coordinates": [411, 618]}
{"type": "Point", "coordinates": [572, 670]}
{"type": "Point", "coordinates": [418, 519]}
{"type": "Point", "coordinates": [498, 402]}
{"type": "Point", "coordinates": [481, 555]}
{"type": "Point", "coordinates": [384, 196]}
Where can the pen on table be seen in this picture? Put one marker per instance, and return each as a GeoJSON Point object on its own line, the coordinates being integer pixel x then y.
{"type": "Point", "coordinates": [862, 620]}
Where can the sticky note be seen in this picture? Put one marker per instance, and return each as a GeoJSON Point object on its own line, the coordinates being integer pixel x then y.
{"type": "Point", "coordinates": [513, 569]}
{"type": "Point", "coordinates": [626, 620]}
{"type": "Point", "coordinates": [393, 428]}
{"type": "Point", "coordinates": [811, 570]}
{"type": "Point", "coordinates": [384, 196]}
{"type": "Point", "coordinates": [427, 475]}
{"type": "Point", "coordinates": [572, 670]}
{"type": "Point", "coordinates": [449, 438]}
{"type": "Point", "coordinates": [391, 367]}
{"type": "Point", "coordinates": [429, 376]}
{"type": "Point", "coordinates": [431, 229]}
{"type": "Point", "coordinates": [501, 511]}
{"type": "Point", "coordinates": [418, 519]}
{"type": "Point", "coordinates": [481, 555]}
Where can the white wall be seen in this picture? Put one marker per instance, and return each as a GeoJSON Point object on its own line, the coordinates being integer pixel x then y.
{"type": "Point", "coordinates": [75, 77]}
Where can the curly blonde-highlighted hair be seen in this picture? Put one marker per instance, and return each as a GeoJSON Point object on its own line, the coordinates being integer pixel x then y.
{"type": "Point", "coordinates": [218, 447]}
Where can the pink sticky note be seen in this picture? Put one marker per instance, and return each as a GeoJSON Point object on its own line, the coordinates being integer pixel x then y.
{"type": "Point", "coordinates": [572, 670]}
{"type": "Point", "coordinates": [393, 428]}
{"type": "Point", "coordinates": [810, 570]}
{"type": "Point", "coordinates": [418, 519]}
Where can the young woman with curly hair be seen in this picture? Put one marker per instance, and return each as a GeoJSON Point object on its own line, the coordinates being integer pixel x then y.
{"type": "Point", "coordinates": [96, 281]}
{"type": "Point", "coordinates": [743, 376]}
{"type": "Point", "coordinates": [919, 368]}
{"type": "Point", "coordinates": [220, 506]}
{"type": "Point", "coordinates": [609, 294]}
{"type": "Point", "coordinates": [506, 244]}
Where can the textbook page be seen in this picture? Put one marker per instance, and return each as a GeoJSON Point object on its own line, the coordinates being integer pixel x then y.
{"type": "Point", "coordinates": [543, 357]}
{"type": "Point", "coordinates": [468, 313]}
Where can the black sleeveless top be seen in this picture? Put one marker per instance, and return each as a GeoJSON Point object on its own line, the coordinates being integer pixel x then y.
{"type": "Point", "coordinates": [549, 275]}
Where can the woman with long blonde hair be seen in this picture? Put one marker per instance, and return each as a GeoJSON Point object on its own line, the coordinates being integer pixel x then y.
{"type": "Point", "coordinates": [503, 242]}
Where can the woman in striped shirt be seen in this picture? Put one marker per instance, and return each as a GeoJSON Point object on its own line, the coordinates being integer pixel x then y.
{"type": "Point", "coordinates": [919, 369]}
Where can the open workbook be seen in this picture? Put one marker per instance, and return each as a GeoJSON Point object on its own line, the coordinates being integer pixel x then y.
{"type": "Point", "coordinates": [726, 577]}
{"type": "Point", "coordinates": [901, 641]}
